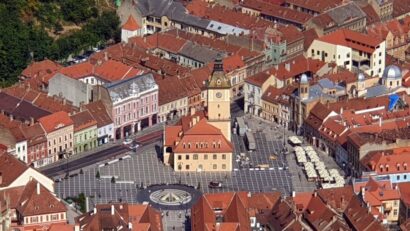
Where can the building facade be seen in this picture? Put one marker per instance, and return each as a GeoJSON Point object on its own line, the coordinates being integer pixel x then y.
{"type": "Point", "coordinates": [85, 132]}
{"type": "Point", "coordinates": [197, 143]}
{"type": "Point", "coordinates": [134, 104]}
{"type": "Point", "coordinates": [59, 130]}
{"type": "Point", "coordinates": [352, 50]}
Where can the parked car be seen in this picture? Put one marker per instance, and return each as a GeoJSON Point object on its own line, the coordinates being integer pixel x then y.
{"type": "Point", "coordinates": [134, 146]}
{"type": "Point", "coordinates": [127, 142]}
{"type": "Point", "coordinates": [215, 184]}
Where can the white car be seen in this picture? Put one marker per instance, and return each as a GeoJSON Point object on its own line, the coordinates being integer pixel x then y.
{"type": "Point", "coordinates": [127, 142]}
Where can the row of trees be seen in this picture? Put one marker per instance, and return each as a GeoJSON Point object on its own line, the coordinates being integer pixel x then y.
{"type": "Point", "coordinates": [24, 41]}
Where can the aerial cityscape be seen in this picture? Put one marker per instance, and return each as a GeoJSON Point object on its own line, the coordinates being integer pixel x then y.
{"type": "Point", "coordinates": [204, 115]}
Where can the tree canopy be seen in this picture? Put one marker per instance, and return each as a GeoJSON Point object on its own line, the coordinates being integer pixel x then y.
{"type": "Point", "coordinates": [26, 25]}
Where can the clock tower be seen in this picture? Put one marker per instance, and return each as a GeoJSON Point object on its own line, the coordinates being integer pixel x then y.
{"type": "Point", "coordinates": [219, 99]}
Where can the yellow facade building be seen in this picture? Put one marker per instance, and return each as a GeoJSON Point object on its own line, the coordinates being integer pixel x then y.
{"type": "Point", "coordinates": [200, 142]}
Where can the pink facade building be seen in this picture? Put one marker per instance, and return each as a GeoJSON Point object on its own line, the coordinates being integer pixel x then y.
{"type": "Point", "coordinates": [134, 104]}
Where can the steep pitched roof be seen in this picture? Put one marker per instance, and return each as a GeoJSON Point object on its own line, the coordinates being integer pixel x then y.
{"type": "Point", "coordinates": [131, 24]}
{"type": "Point", "coordinates": [55, 121]}
{"type": "Point", "coordinates": [36, 200]}
{"type": "Point", "coordinates": [10, 169]}
{"type": "Point", "coordinates": [111, 216]}
{"type": "Point", "coordinates": [83, 120]}
{"type": "Point", "coordinates": [99, 113]}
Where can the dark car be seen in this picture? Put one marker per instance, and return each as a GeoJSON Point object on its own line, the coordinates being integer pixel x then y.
{"type": "Point", "coordinates": [215, 184]}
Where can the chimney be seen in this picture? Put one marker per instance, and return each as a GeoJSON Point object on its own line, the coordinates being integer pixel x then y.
{"type": "Point", "coordinates": [105, 56]}
{"type": "Point", "coordinates": [192, 111]}
{"type": "Point", "coordinates": [31, 121]}
{"type": "Point", "coordinates": [95, 210]}
{"type": "Point", "coordinates": [11, 117]}
{"type": "Point", "coordinates": [249, 194]}
{"type": "Point", "coordinates": [293, 193]}
{"type": "Point", "coordinates": [380, 121]}
{"type": "Point", "coordinates": [112, 210]}
{"type": "Point", "coordinates": [129, 225]}
{"type": "Point", "coordinates": [38, 188]}
{"type": "Point", "coordinates": [287, 66]}
{"type": "Point", "coordinates": [1, 178]}
{"type": "Point", "coordinates": [87, 208]}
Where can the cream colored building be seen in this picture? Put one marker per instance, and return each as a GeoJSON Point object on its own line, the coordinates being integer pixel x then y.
{"type": "Point", "coordinates": [59, 130]}
{"type": "Point", "coordinates": [351, 50]}
{"type": "Point", "coordinates": [198, 143]}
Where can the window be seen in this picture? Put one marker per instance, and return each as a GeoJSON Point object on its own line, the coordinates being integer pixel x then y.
{"type": "Point", "coordinates": [205, 156]}
{"type": "Point", "coordinates": [179, 157]}
{"type": "Point", "coordinates": [398, 177]}
{"type": "Point", "coordinates": [223, 166]}
{"type": "Point", "coordinates": [180, 167]}
{"type": "Point", "coordinates": [214, 166]}
{"type": "Point", "coordinates": [405, 177]}
{"type": "Point", "coordinates": [187, 167]}
{"type": "Point", "coordinates": [214, 156]}
{"type": "Point", "coordinates": [187, 157]}
{"type": "Point", "coordinates": [223, 156]}
{"type": "Point", "coordinates": [195, 156]}
{"type": "Point", "coordinates": [395, 212]}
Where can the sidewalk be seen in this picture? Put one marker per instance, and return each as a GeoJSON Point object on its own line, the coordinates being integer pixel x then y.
{"type": "Point", "coordinates": [157, 127]}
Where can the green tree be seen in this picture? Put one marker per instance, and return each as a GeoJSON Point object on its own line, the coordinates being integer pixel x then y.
{"type": "Point", "coordinates": [78, 11]}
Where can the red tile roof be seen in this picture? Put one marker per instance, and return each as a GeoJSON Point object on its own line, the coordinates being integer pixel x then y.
{"type": "Point", "coordinates": [202, 132]}
{"type": "Point", "coordinates": [295, 67]}
{"type": "Point", "coordinates": [42, 70]}
{"type": "Point", "coordinates": [10, 169]}
{"type": "Point", "coordinates": [315, 5]}
{"type": "Point", "coordinates": [396, 159]}
{"type": "Point", "coordinates": [141, 218]}
{"type": "Point", "coordinates": [82, 120]}
{"type": "Point", "coordinates": [236, 208]}
{"type": "Point", "coordinates": [318, 214]}
{"type": "Point", "coordinates": [109, 70]}
{"type": "Point", "coordinates": [371, 15]}
{"type": "Point", "coordinates": [99, 113]}
{"type": "Point", "coordinates": [166, 41]}
{"type": "Point", "coordinates": [337, 198]}
{"type": "Point", "coordinates": [225, 15]}
{"type": "Point", "coordinates": [353, 39]}
{"type": "Point", "coordinates": [55, 121]}
{"type": "Point", "coordinates": [131, 24]}
{"type": "Point", "coordinates": [258, 79]}
{"type": "Point", "coordinates": [405, 192]}
{"type": "Point", "coordinates": [359, 218]}
{"type": "Point", "coordinates": [309, 36]}
{"type": "Point", "coordinates": [277, 11]}
{"type": "Point", "coordinates": [32, 203]}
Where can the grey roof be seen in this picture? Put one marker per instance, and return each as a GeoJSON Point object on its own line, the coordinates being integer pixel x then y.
{"type": "Point", "coordinates": [342, 13]}
{"type": "Point", "coordinates": [131, 87]}
{"type": "Point", "coordinates": [224, 29]}
{"type": "Point", "coordinates": [379, 90]}
{"type": "Point", "coordinates": [198, 52]}
{"type": "Point", "coordinates": [316, 91]}
{"type": "Point", "coordinates": [173, 10]}
{"type": "Point", "coordinates": [392, 72]}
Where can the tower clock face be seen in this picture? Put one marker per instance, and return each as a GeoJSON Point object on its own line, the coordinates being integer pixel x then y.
{"type": "Point", "coordinates": [218, 95]}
